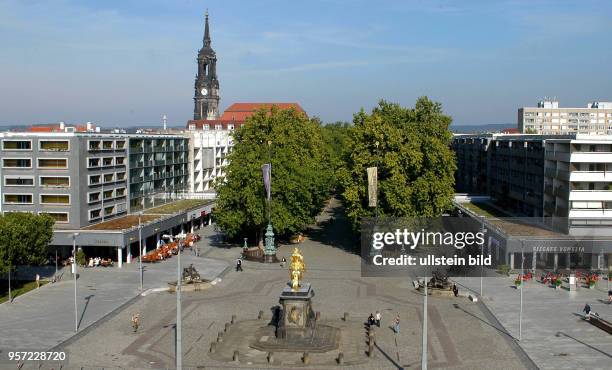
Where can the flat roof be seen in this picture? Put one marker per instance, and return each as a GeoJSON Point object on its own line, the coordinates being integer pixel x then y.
{"type": "Point", "coordinates": [121, 223]}
{"type": "Point", "coordinates": [177, 206]}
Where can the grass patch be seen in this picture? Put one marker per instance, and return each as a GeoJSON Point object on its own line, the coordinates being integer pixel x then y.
{"type": "Point", "coordinates": [121, 223]}
{"type": "Point", "coordinates": [485, 209]}
{"type": "Point", "coordinates": [179, 205]}
{"type": "Point", "coordinates": [18, 287]}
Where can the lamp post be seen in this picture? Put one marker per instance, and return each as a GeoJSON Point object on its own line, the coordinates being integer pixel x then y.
{"type": "Point", "coordinates": [74, 265]}
{"type": "Point", "coordinates": [424, 337]}
{"type": "Point", "coordinates": [483, 231]}
{"type": "Point", "coordinates": [522, 283]}
{"type": "Point", "coordinates": [179, 354]}
{"type": "Point", "coordinates": [140, 249]}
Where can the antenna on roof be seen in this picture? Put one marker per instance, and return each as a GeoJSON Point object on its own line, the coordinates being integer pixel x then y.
{"type": "Point", "coordinates": [165, 121]}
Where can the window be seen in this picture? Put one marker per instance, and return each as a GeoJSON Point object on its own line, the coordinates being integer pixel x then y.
{"type": "Point", "coordinates": [109, 210]}
{"type": "Point", "coordinates": [218, 127]}
{"type": "Point", "coordinates": [17, 163]}
{"type": "Point", "coordinates": [18, 181]}
{"type": "Point", "coordinates": [54, 199]}
{"type": "Point", "coordinates": [94, 214]}
{"type": "Point", "coordinates": [119, 161]}
{"type": "Point", "coordinates": [230, 127]}
{"type": "Point", "coordinates": [120, 192]}
{"type": "Point", "coordinates": [18, 198]}
{"type": "Point", "coordinates": [17, 145]}
{"type": "Point", "coordinates": [55, 182]}
{"type": "Point", "coordinates": [94, 145]}
{"type": "Point", "coordinates": [120, 176]}
{"type": "Point", "coordinates": [120, 144]}
{"type": "Point", "coordinates": [94, 179]}
{"type": "Point", "coordinates": [107, 162]}
{"type": "Point", "coordinates": [206, 127]}
{"type": "Point", "coordinates": [108, 194]}
{"type": "Point", "coordinates": [52, 163]}
{"type": "Point", "coordinates": [93, 162]}
{"type": "Point", "coordinates": [107, 145]}
{"type": "Point", "coordinates": [60, 217]}
{"type": "Point", "coordinates": [94, 197]}
{"type": "Point", "coordinates": [53, 145]}
{"type": "Point", "coordinates": [108, 177]}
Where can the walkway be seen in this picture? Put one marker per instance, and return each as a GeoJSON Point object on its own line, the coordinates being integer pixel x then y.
{"type": "Point", "coordinates": [45, 317]}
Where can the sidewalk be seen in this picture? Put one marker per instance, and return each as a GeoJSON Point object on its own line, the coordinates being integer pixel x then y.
{"type": "Point", "coordinates": [553, 332]}
{"type": "Point", "coordinates": [43, 318]}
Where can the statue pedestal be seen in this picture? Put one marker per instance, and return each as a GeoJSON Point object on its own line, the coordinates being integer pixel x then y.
{"type": "Point", "coordinates": [297, 317]}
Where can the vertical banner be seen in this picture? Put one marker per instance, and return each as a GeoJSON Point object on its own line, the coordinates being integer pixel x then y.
{"type": "Point", "coordinates": [372, 186]}
{"type": "Point", "coordinates": [266, 170]}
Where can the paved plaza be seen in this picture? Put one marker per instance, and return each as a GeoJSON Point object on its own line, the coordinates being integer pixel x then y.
{"type": "Point", "coordinates": [462, 335]}
{"type": "Point", "coordinates": [43, 318]}
{"type": "Point", "coordinates": [554, 335]}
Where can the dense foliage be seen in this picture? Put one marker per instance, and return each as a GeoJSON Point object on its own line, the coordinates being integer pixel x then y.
{"type": "Point", "coordinates": [301, 175]}
{"type": "Point", "coordinates": [411, 148]}
{"type": "Point", "coordinates": [24, 238]}
{"type": "Point", "coordinates": [336, 139]}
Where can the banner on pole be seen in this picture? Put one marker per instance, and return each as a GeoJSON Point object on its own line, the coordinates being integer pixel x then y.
{"type": "Point", "coordinates": [266, 170]}
{"type": "Point", "coordinates": [372, 186]}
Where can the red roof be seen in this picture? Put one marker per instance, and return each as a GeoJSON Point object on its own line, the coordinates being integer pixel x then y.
{"type": "Point", "coordinates": [240, 111]}
{"type": "Point", "coordinates": [56, 127]}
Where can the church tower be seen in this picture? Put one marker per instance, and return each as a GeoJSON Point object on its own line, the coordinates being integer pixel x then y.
{"type": "Point", "coordinates": [206, 84]}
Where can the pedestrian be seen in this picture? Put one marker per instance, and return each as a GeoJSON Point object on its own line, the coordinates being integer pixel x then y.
{"type": "Point", "coordinates": [586, 309]}
{"type": "Point", "coordinates": [37, 281]}
{"type": "Point", "coordinates": [370, 320]}
{"type": "Point", "coordinates": [396, 324]}
{"type": "Point", "coordinates": [455, 290]}
{"type": "Point", "coordinates": [238, 264]}
{"type": "Point", "coordinates": [283, 262]}
{"type": "Point", "coordinates": [377, 318]}
{"type": "Point", "coordinates": [135, 321]}
{"type": "Point", "coordinates": [609, 296]}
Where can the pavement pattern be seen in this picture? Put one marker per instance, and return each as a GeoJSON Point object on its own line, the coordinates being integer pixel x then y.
{"type": "Point", "coordinates": [462, 335]}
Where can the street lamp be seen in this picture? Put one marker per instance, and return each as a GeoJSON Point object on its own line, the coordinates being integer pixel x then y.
{"type": "Point", "coordinates": [74, 265]}
{"type": "Point", "coordinates": [522, 283]}
{"type": "Point", "coordinates": [140, 248]}
{"type": "Point", "coordinates": [179, 354]}
{"type": "Point", "coordinates": [424, 337]}
{"type": "Point", "coordinates": [483, 231]}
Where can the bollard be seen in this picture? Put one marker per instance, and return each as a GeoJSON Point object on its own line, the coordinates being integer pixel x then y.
{"type": "Point", "coordinates": [306, 358]}
{"type": "Point", "coordinates": [260, 315]}
{"type": "Point", "coordinates": [227, 326]}
{"type": "Point", "coordinates": [220, 337]}
{"type": "Point", "coordinates": [233, 319]}
{"type": "Point", "coordinates": [340, 358]}
{"type": "Point", "coordinates": [370, 349]}
{"type": "Point", "coordinates": [270, 357]}
{"type": "Point", "coordinates": [235, 357]}
{"type": "Point", "coordinates": [213, 347]}
{"type": "Point", "coordinates": [345, 317]}
{"type": "Point", "coordinates": [318, 316]}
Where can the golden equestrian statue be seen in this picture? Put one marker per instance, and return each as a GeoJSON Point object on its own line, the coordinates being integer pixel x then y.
{"type": "Point", "coordinates": [297, 267]}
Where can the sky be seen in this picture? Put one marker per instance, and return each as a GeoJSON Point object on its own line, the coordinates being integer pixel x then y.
{"type": "Point", "coordinates": [127, 63]}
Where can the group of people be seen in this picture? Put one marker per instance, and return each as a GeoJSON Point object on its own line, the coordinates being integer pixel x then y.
{"type": "Point", "coordinates": [98, 261]}
{"type": "Point", "coordinates": [375, 319]}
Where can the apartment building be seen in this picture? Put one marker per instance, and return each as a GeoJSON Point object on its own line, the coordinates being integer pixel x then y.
{"type": "Point", "coordinates": [208, 150]}
{"type": "Point", "coordinates": [86, 178]}
{"type": "Point", "coordinates": [550, 119]}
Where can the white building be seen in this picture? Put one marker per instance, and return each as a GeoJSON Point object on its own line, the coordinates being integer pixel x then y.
{"type": "Point", "coordinates": [549, 119]}
{"type": "Point", "coordinates": [208, 150]}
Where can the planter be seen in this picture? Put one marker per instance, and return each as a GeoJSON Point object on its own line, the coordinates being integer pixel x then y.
{"type": "Point", "coordinates": [517, 283]}
{"type": "Point", "coordinates": [592, 286]}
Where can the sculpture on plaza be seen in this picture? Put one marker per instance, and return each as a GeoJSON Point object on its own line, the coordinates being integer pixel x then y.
{"type": "Point", "coordinates": [297, 267]}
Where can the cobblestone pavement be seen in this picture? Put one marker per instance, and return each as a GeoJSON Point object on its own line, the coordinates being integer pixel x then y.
{"type": "Point", "coordinates": [554, 335]}
{"type": "Point", "coordinates": [43, 318]}
{"type": "Point", "coordinates": [462, 335]}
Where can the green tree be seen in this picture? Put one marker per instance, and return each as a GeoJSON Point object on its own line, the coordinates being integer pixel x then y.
{"type": "Point", "coordinates": [300, 175]}
{"type": "Point", "coordinates": [411, 148]}
{"type": "Point", "coordinates": [23, 239]}
{"type": "Point", "coordinates": [336, 138]}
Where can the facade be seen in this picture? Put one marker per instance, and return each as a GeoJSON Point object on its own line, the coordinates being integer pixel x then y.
{"type": "Point", "coordinates": [549, 119]}
{"type": "Point", "coordinates": [206, 98]}
{"type": "Point", "coordinates": [565, 180]}
{"type": "Point", "coordinates": [85, 178]}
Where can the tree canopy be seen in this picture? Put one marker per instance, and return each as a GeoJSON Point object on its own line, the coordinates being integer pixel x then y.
{"type": "Point", "coordinates": [411, 148]}
{"type": "Point", "coordinates": [301, 174]}
{"type": "Point", "coordinates": [24, 238]}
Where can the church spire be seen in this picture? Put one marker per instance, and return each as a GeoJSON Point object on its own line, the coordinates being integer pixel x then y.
{"type": "Point", "coordinates": [206, 31]}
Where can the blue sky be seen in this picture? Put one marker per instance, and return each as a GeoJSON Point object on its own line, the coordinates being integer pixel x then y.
{"type": "Point", "coordinates": [128, 62]}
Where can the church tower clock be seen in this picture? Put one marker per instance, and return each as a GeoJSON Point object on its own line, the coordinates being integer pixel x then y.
{"type": "Point", "coordinates": [206, 84]}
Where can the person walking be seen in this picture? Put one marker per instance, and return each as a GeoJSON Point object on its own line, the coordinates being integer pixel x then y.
{"type": "Point", "coordinates": [610, 296]}
{"type": "Point", "coordinates": [396, 324]}
{"type": "Point", "coordinates": [455, 290]}
{"type": "Point", "coordinates": [377, 318]}
{"type": "Point", "coordinates": [586, 310]}
{"type": "Point", "coordinates": [370, 320]}
{"type": "Point", "coordinates": [283, 262]}
{"type": "Point", "coordinates": [238, 264]}
{"type": "Point", "coordinates": [37, 281]}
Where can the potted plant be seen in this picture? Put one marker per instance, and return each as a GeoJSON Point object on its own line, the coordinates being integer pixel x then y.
{"type": "Point", "coordinates": [591, 283]}
{"type": "Point", "coordinates": [557, 283]}
{"type": "Point", "coordinates": [517, 282]}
